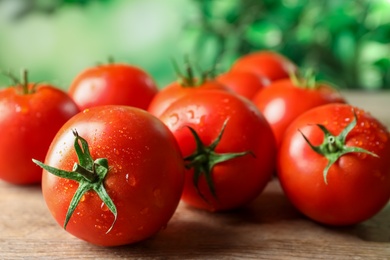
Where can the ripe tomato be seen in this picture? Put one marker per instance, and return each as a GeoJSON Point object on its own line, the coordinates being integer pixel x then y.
{"type": "Point", "coordinates": [113, 84]}
{"type": "Point", "coordinates": [176, 90]}
{"type": "Point", "coordinates": [127, 195]}
{"type": "Point", "coordinates": [269, 64]}
{"type": "Point", "coordinates": [228, 147]}
{"type": "Point", "coordinates": [185, 84]}
{"type": "Point", "coordinates": [283, 100]}
{"type": "Point", "coordinates": [31, 114]}
{"type": "Point", "coordinates": [337, 182]}
{"type": "Point", "coordinates": [243, 83]}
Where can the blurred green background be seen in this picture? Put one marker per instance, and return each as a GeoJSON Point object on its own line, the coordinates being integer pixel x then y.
{"type": "Point", "coordinates": [345, 42]}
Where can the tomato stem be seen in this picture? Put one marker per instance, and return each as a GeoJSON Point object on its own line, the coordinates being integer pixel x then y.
{"type": "Point", "coordinates": [25, 81]}
{"type": "Point", "coordinates": [334, 147]}
{"type": "Point", "coordinates": [88, 173]}
{"type": "Point", "coordinates": [189, 79]}
{"type": "Point", "coordinates": [307, 80]}
{"type": "Point", "coordinates": [204, 159]}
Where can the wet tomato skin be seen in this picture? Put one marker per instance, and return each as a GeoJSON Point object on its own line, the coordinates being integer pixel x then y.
{"type": "Point", "coordinates": [282, 101]}
{"type": "Point", "coordinates": [176, 90]}
{"type": "Point", "coordinates": [145, 178]}
{"type": "Point", "coordinates": [243, 83]}
{"type": "Point", "coordinates": [237, 181]}
{"type": "Point", "coordinates": [358, 184]}
{"type": "Point", "coordinates": [28, 124]}
{"type": "Point", "coordinates": [113, 84]}
{"type": "Point", "coordinates": [264, 63]}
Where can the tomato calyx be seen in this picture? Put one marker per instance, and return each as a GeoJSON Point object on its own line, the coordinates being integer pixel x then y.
{"type": "Point", "coordinates": [203, 160]}
{"type": "Point", "coordinates": [88, 173]}
{"type": "Point", "coordinates": [189, 79]}
{"type": "Point", "coordinates": [333, 147]}
{"type": "Point", "coordinates": [23, 83]}
{"type": "Point", "coordinates": [306, 80]}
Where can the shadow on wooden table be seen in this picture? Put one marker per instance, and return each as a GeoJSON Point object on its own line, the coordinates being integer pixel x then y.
{"type": "Point", "coordinates": [376, 229]}
{"type": "Point", "coordinates": [270, 221]}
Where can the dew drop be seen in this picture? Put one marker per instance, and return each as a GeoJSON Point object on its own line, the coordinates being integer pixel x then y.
{"type": "Point", "coordinates": [173, 119]}
{"type": "Point", "coordinates": [190, 114]}
{"type": "Point", "coordinates": [104, 207]}
{"type": "Point", "coordinates": [130, 179]}
{"type": "Point", "coordinates": [98, 226]}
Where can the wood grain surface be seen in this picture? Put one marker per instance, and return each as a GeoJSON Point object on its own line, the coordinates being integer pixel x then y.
{"type": "Point", "coordinates": [269, 228]}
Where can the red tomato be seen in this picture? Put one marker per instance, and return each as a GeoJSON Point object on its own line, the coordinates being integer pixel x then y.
{"type": "Point", "coordinates": [214, 180]}
{"type": "Point", "coordinates": [176, 90]}
{"type": "Point", "coordinates": [31, 114]}
{"type": "Point", "coordinates": [243, 83]}
{"type": "Point", "coordinates": [284, 100]}
{"type": "Point", "coordinates": [143, 175]}
{"type": "Point", "coordinates": [356, 185]}
{"type": "Point", "coordinates": [113, 84]}
{"type": "Point", "coordinates": [269, 64]}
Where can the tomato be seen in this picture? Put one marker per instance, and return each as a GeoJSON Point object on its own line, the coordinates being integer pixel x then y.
{"type": "Point", "coordinates": [343, 177]}
{"type": "Point", "coordinates": [244, 83]}
{"type": "Point", "coordinates": [31, 114]}
{"type": "Point", "coordinates": [176, 90]}
{"type": "Point", "coordinates": [228, 147]}
{"type": "Point", "coordinates": [185, 84]}
{"type": "Point", "coordinates": [125, 153]}
{"type": "Point", "coordinates": [113, 84]}
{"type": "Point", "coordinates": [265, 63]}
{"type": "Point", "coordinates": [284, 100]}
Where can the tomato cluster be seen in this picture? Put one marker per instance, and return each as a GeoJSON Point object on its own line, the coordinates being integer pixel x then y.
{"type": "Point", "coordinates": [119, 154]}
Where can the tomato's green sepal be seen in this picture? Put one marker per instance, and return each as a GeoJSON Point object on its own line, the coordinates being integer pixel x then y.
{"type": "Point", "coordinates": [205, 158]}
{"type": "Point", "coordinates": [306, 80]}
{"type": "Point", "coordinates": [89, 174]}
{"type": "Point", "coordinates": [188, 79]}
{"type": "Point", "coordinates": [23, 83]}
{"type": "Point", "coordinates": [333, 147]}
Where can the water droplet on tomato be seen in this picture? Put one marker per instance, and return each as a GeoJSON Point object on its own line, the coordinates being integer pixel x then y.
{"type": "Point", "coordinates": [190, 114]}
{"type": "Point", "coordinates": [98, 226]}
{"type": "Point", "coordinates": [173, 119]}
{"type": "Point", "coordinates": [104, 207]}
{"type": "Point", "coordinates": [82, 198]}
{"type": "Point", "coordinates": [130, 179]}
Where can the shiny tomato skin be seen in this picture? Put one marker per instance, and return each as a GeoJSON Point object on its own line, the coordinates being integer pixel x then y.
{"type": "Point", "coordinates": [282, 101]}
{"type": "Point", "coordinates": [145, 179]}
{"type": "Point", "coordinates": [237, 181]}
{"type": "Point", "coordinates": [113, 84]}
{"type": "Point", "coordinates": [176, 90]}
{"type": "Point", "coordinates": [243, 83]}
{"type": "Point", "coordinates": [358, 184]}
{"type": "Point", "coordinates": [265, 63]}
{"type": "Point", "coordinates": [28, 124]}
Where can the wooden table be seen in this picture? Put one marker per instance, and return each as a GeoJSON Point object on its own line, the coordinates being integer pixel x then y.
{"type": "Point", "coordinates": [270, 228]}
